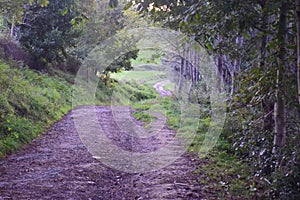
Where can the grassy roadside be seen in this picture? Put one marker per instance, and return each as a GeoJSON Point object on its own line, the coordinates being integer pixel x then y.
{"type": "Point", "coordinates": [29, 103]}
{"type": "Point", "coordinates": [142, 77]}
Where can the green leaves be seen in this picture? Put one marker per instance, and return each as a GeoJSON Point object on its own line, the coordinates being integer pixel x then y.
{"type": "Point", "coordinates": [15, 8]}
{"type": "Point", "coordinates": [48, 42]}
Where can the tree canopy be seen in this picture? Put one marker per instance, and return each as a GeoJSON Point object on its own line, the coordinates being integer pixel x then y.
{"type": "Point", "coordinates": [47, 32]}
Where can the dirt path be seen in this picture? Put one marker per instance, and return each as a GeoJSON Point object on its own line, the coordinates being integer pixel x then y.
{"type": "Point", "coordinates": [160, 88]}
{"type": "Point", "coordinates": [58, 166]}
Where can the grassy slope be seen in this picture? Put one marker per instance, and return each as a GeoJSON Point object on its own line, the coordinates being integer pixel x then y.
{"type": "Point", "coordinates": [29, 103]}
{"type": "Point", "coordinates": [142, 77]}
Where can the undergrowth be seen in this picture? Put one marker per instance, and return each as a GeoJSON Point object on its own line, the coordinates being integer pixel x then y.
{"type": "Point", "coordinates": [29, 103]}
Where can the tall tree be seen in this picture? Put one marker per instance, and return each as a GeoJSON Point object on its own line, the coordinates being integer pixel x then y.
{"type": "Point", "coordinates": [279, 106]}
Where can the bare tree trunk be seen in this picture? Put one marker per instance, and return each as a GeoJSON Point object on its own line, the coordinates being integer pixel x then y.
{"type": "Point", "coordinates": [87, 74]}
{"type": "Point", "coordinates": [197, 73]}
{"type": "Point", "coordinates": [195, 67]}
{"type": "Point", "coordinates": [180, 75]}
{"type": "Point", "coordinates": [233, 88]}
{"type": "Point", "coordinates": [298, 46]}
{"type": "Point", "coordinates": [12, 28]}
{"type": "Point", "coordinates": [218, 73]}
{"type": "Point", "coordinates": [194, 61]}
{"type": "Point", "coordinates": [279, 106]}
{"type": "Point", "coordinates": [186, 62]}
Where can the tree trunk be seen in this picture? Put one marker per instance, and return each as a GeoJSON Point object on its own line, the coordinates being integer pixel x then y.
{"type": "Point", "coordinates": [180, 78]}
{"type": "Point", "coordinates": [196, 67]}
{"type": "Point", "coordinates": [218, 73]}
{"type": "Point", "coordinates": [298, 46]}
{"type": "Point", "coordinates": [186, 62]}
{"type": "Point", "coordinates": [12, 28]}
{"type": "Point", "coordinates": [279, 106]}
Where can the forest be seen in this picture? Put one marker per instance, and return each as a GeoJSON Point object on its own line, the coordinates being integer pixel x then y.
{"type": "Point", "coordinates": [194, 99]}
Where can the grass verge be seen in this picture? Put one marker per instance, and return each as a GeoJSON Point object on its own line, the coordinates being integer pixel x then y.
{"type": "Point", "coordinates": [29, 103]}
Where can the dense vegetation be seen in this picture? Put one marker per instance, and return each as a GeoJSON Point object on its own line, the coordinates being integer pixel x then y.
{"type": "Point", "coordinates": [254, 47]}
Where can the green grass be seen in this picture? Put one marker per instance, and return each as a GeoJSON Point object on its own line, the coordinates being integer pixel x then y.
{"type": "Point", "coordinates": [143, 116]}
{"type": "Point", "coordinates": [29, 103]}
{"type": "Point", "coordinates": [130, 92]}
{"type": "Point", "coordinates": [142, 77]}
{"type": "Point", "coordinates": [141, 110]}
{"type": "Point", "coordinates": [147, 68]}
{"type": "Point", "coordinates": [146, 56]}
{"type": "Point", "coordinates": [169, 86]}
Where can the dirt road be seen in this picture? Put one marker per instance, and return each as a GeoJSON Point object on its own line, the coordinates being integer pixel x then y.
{"type": "Point", "coordinates": [160, 88]}
{"type": "Point", "coordinates": [58, 166]}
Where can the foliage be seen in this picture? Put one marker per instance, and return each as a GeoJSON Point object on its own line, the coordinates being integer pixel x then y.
{"type": "Point", "coordinates": [103, 22]}
{"type": "Point", "coordinates": [123, 62]}
{"type": "Point", "coordinates": [48, 42]}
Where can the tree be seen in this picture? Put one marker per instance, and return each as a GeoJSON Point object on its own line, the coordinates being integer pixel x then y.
{"type": "Point", "coordinates": [47, 32]}
{"type": "Point", "coordinates": [103, 22]}
{"type": "Point", "coordinates": [279, 106]}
